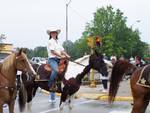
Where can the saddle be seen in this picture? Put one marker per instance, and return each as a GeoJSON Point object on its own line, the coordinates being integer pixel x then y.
{"type": "Point", "coordinates": [144, 79]}
{"type": "Point", "coordinates": [44, 70]}
{"type": "Point", "coordinates": [61, 67]}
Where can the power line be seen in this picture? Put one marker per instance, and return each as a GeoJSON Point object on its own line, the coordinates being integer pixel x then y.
{"type": "Point", "coordinates": [81, 16]}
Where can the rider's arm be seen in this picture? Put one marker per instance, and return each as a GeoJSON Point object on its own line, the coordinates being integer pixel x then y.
{"type": "Point", "coordinates": [57, 54]}
{"type": "Point", "coordinates": [64, 53]}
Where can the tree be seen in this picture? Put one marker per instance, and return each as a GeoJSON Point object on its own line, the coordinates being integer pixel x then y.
{"type": "Point", "coordinates": [117, 39]}
{"type": "Point", "coordinates": [40, 51]}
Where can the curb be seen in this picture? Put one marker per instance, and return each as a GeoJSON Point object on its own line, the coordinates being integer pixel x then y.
{"type": "Point", "coordinates": [94, 96]}
{"type": "Point", "coordinates": [118, 98]}
{"type": "Point", "coordinates": [103, 97]}
{"type": "Point", "coordinates": [47, 92]}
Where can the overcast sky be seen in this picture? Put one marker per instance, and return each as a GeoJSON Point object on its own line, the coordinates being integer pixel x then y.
{"type": "Point", "coordinates": [25, 21]}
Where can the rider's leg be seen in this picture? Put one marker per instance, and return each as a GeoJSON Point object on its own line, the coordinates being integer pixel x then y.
{"type": "Point", "coordinates": [54, 65]}
{"type": "Point", "coordinates": [104, 82]}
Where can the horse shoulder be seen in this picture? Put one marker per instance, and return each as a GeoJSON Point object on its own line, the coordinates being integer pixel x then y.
{"type": "Point", "coordinates": [1, 66]}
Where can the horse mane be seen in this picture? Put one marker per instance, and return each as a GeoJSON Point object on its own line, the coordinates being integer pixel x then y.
{"type": "Point", "coordinates": [66, 67]}
{"type": "Point", "coordinates": [119, 68]}
{"type": "Point", "coordinates": [8, 61]}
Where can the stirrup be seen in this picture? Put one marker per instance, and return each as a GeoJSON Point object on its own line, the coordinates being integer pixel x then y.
{"type": "Point", "coordinates": [53, 89]}
{"type": "Point", "coordinates": [37, 77]}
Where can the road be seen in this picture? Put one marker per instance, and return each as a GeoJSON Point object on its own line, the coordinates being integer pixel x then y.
{"type": "Point", "coordinates": [41, 105]}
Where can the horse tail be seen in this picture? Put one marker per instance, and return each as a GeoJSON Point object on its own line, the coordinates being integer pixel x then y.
{"type": "Point", "coordinates": [119, 69]}
{"type": "Point", "coordinates": [22, 97]}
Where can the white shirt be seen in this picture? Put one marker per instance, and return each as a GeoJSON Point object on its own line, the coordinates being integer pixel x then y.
{"type": "Point", "coordinates": [54, 45]}
{"type": "Point", "coordinates": [19, 72]}
{"type": "Point", "coordinates": [113, 57]}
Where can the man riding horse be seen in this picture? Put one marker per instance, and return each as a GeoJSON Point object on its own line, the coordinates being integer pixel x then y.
{"type": "Point", "coordinates": [55, 53]}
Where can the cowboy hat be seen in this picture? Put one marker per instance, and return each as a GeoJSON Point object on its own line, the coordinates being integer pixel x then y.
{"type": "Point", "coordinates": [57, 31]}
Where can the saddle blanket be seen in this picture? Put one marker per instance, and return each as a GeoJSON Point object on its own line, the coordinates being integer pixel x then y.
{"type": "Point", "coordinates": [144, 79]}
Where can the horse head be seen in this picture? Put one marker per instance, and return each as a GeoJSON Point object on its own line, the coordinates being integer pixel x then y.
{"type": "Point", "coordinates": [22, 63]}
{"type": "Point", "coordinates": [96, 61]}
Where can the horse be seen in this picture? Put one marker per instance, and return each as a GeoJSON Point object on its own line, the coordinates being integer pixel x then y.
{"type": "Point", "coordinates": [8, 68]}
{"type": "Point", "coordinates": [71, 85]}
{"type": "Point", "coordinates": [43, 71]}
{"type": "Point", "coordinates": [140, 93]}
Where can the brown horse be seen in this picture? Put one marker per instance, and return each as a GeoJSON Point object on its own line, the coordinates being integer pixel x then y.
{"type": "Point", "coordinates": [12, 63]}
{"type": "Point", "coordinates": [140, 93]}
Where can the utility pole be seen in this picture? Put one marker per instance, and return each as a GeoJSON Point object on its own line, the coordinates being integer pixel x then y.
{"type": "Point", "coordinates": [67, 20]}
{"type": "Point", "coordinates": [67, 25]}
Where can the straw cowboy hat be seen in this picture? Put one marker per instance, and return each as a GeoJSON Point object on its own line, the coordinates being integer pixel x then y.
{"type": "Point", "coordinates": [55, 30]}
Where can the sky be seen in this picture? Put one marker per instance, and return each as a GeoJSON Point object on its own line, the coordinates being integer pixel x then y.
{"type": "Point", "coordinates": [24, 22]}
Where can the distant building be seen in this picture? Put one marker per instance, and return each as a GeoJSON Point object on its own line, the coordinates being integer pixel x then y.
{"type": "Point", "coordinates": [5, 50]}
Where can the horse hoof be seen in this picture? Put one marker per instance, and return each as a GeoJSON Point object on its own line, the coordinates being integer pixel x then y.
{"type": "Point", "coordinates": [61, 108]}
{"type": "Point", "coordinates": [70, 106]}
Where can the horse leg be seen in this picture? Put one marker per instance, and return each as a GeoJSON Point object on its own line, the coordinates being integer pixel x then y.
{"type": "Point", "coordinates": [70, 102]}
{"type": "Point", "coordinates": [29, 100]}
{"type": "Point", "coordinates": [63, 98]}
{"type": "Point", "coordinates": [146, 102]}
{"type": "Point", "coordinates": [29, 104]}
{"type": "Point", "coordinates": [138, 105]}
{"type": "Point", "coordinates": [1, 107]}
{"type": "Point", "coordinates": [11, 106]}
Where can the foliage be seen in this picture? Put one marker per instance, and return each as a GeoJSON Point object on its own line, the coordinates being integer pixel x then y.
{"type": "Point", "coordinates": [37, 52]}
{"type": "Point", "coordinates": [117, 37]}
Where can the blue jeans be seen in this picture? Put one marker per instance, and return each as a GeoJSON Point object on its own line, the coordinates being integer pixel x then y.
{"type": "Point", "coordinates": [52, 96]}
{"type": "Point", "coordinates": [53, 62]}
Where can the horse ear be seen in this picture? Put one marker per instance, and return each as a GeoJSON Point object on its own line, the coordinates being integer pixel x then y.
{"type": "Point", "coordinates": [19, 52]}
{"type": "Point", "coordinates": [24, 50]}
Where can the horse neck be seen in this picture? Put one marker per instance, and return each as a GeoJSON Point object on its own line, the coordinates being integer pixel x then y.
{"type": "Point", "coordinates": [83, 73]}
{"type": "Point", "coordinates": [8, 67]}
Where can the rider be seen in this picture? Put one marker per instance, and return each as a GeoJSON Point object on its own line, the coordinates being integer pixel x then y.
{"type": "Point", "coordinates": [55, 53]}
{"type": "Point", "coordinates": [113, 59]}
{"type": "Point", "coordinates": [138, 61]}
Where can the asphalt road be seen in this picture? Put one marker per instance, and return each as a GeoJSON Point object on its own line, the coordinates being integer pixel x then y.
{"type": "Point", "coordinates": [41, 105]}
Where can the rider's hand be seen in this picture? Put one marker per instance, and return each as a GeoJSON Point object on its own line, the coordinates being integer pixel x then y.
{"type": "Point", "coordinates": [68, 56]}
{"type": "Point", "coordinates": [63, 56]}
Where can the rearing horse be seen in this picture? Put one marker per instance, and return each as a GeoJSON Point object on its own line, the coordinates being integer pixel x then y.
{"type": "Point", "coordinates": [140, 93]}
{"type": "Point", "coordinates": [8, 69]}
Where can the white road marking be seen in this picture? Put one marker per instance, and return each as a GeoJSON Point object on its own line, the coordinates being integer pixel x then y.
{"type": "Point", "coordinates": [55, 109]}
{"type": "Point", "coordinates": [129, 111]}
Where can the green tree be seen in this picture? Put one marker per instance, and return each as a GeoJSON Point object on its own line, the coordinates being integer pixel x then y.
{"type": "Point", "coordinates": [117, 38]}
{"type": "Point", "coordinates": [40, 51]}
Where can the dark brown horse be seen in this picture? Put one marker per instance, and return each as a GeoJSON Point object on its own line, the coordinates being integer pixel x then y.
{"type": "Point", "coordinates": [8, 69]}
{"type": "Point", "coordinates": [71, 86]}
{"type": "Point", "coordinates": [140, 93]}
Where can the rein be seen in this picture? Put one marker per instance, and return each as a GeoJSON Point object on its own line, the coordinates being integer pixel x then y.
{"type": "Point", "coordinates": [78, 63]}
